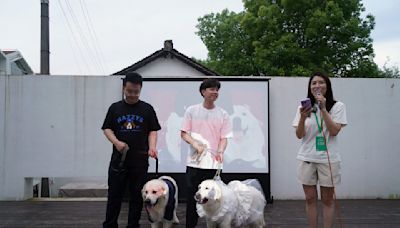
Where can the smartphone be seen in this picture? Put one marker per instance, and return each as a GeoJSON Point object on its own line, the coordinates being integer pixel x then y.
{"type": "Point", "coordinates": [306, 103]}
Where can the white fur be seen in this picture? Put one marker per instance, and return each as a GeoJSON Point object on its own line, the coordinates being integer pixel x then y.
{"type": "Point", "coordinates": [173, 135]}
{"type": "Point", "coordinates": [232, 205]}
{"type": "Point", "coordinates": [155, 197]}
{"type": "Point", "coordinates": [248, 138]}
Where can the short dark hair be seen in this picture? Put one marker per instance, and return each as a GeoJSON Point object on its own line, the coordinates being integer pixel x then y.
{"type": "Point", "coordinates": [133, 77]}
{"type": "Point", "coordinates": [209, 83]}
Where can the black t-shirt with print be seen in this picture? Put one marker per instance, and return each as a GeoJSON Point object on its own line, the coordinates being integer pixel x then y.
{"type": "Point", "coordinates": [131, 123]}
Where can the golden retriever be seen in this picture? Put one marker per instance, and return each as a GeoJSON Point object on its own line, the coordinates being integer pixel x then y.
{"type": "Point", "coordinates": [160, 198]}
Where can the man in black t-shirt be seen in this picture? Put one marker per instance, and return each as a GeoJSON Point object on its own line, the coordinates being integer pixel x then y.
{"type": "Point", "coordinates": [131, 125]}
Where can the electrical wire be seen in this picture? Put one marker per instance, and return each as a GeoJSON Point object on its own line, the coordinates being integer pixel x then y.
{"type": "Point", "coordinates": [93, 35]}
{"type": "Point", "coordinates": [86, 44]}
{"type": "Point", "coordinates": [86, 64]}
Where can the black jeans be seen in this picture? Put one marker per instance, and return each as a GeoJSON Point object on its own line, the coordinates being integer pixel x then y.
{"type": "Point", "coordinates": [194, 176]}
{"type": "Point", "coordinates": [135, 177]}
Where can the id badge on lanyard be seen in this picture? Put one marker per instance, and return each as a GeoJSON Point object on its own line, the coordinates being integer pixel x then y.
{"type": "Point", "coordinates": [320, 144]}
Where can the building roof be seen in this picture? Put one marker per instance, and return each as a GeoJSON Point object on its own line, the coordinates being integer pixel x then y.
{"type": "Point", "coordinates": [14, 56]}
{"type": "Point", "coordinates": [168, 51]}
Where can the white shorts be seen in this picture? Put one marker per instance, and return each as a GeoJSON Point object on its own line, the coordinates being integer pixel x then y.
{"type": "Point", "coordinates": [311, 173]}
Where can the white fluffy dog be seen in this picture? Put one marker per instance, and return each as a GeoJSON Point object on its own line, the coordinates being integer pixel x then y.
{"type": "Point", "coordinates": [160, 197]}
{"type": "Point", "coordinates": [232, 205]}
{"type": "Point", "coordinates": [247, 136]}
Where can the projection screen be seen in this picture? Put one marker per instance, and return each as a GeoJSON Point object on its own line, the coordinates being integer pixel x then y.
{"type": "Point", "coordinates": [246, 101]}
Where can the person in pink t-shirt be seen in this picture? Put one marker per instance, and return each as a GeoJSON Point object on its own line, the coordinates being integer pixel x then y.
{"type": "Point", "coordinates": [206, 128]}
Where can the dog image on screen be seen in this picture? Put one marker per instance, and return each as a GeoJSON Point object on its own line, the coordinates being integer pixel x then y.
{"type": "Point", "coordinates": [173, 135]}
{"type": "Point", "coordinates": [160, 198]}
{"type": "Point", "coordinates": [248, 139]}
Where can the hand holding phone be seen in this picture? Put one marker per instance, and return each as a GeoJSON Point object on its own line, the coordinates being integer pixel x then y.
{"type": "Point", "coordinates": [306, 103]}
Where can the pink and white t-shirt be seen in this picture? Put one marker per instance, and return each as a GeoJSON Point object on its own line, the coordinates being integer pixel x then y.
{"type": "Point", "coordinates": [208, 127]}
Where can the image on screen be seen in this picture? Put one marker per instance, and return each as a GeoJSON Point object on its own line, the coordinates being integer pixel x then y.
{"type": "Point", "coordinates": [247, 105]}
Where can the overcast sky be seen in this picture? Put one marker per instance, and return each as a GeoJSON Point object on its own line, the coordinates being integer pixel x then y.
{"type": "Point", "coordinates": [97, 37]}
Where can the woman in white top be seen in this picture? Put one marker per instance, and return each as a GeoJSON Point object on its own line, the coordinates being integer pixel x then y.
{"type": "Point", "coordinates": [318, 126]}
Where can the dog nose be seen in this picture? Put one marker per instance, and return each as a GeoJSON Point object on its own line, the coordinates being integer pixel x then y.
{"type": "Point", "coordinates": [147, 201]}
{"type": "Point", "coordinates": [197, 197]}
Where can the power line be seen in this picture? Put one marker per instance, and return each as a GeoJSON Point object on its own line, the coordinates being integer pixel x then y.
{"type": "Point", "coordinates": [93, 34]}
{"type": "Point", "coordinates": [93, 57]}
{"type": "Point", "coordinates": [81, 34]}
{"type": "Point", "coordinates": [74, 38]}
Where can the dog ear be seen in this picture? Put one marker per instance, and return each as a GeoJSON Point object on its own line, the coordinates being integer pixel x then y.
{"type": "Point", "coordinates": [164, 191]}
{"type": "Point", "coordinates": [215, 193]}
{"type": "Point", "coordinates": [143, 190]}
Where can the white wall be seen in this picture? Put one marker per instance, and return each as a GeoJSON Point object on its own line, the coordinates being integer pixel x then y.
{"type": "Point", "coordinates": [370, 143]}
{"type": "Point", "coordinates": [50, 127]}
{"type": "Point", "coordinates": [3, 92]}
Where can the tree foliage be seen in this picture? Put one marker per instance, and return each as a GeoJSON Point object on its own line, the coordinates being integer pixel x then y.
{"type": "Point", "coordinates": [290, 37]}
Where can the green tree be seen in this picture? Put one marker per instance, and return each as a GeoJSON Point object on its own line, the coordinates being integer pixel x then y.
{"type": "Point", "coordinates": [291, 37]}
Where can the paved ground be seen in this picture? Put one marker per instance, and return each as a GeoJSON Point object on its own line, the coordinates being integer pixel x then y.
{"type": "Point", "coordinates": [285, 213]}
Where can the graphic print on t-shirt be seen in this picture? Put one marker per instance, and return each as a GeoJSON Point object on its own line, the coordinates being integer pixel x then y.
{"type": "Point", "coordinates": [130, 122]}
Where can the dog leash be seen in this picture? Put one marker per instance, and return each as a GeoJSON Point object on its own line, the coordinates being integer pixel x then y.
{"type": "Point", "coordinates": [156, 166]}
{"type": "Point", "coordinates": [124, 152]}
{"type": "Point", "coordinates": [337, 207]}
{"type": "Point", "coordinates": [217, 176]}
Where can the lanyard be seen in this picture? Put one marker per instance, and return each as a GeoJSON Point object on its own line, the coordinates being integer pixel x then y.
{"type": "Point", "coordinates": [320, 140]}
{"type": "Point", "coordinates": [319, 126]}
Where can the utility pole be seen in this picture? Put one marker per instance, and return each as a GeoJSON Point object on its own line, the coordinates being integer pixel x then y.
{"type": "Point", "coordinates": [44, 38]}
{"type": "Point", "coordinates": [44, 67]}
